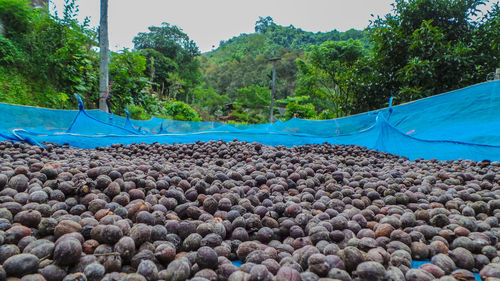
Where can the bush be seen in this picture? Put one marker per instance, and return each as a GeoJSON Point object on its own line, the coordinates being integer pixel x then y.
{"type": "Point", "coordinates": [138, 113]}
{"type": "Point", "coordinates": [305, 111]}
{"type": "Point", "coordinates": [15, 15]}
{"type": "Point", "coordinates": [9, 53]}
{"type": "Point", "coordinates": [326, 114]}
{"type": "Point", "coordinates": [242, 116]}
{"type": "Point", "coordinates": [233, 122]}
{"type": "Point", "coordinates": [130, 85]}
{"type": "Point", "coordinates": [17, 89]}
{"type": "Point", "coordinates": [178, 110]}
{"type": "Point", "coordinates": [209, 103]}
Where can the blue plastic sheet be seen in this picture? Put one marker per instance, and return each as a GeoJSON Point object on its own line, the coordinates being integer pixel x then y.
{"type": "Point", "coordinates": [417, 264]}
{"type": "Point", "coordinates": [237, 263]}
{"type": "Point", "coordinates": [414, 264]}
{"type": "Point", "coordinates": [463, 124]}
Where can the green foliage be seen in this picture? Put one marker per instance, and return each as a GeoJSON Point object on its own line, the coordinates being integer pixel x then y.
{"type": "Point", "coordinates": [239, 47]}
{"type": "Point", "coordinates": [178, 110]}
{"type": "Point", "coordinates": [254, 96]}
{"type": "Point", "coordinates": [129, 83]}
{"type": "Point", "coordinates": [10, 55]}
{"type": "Point", "coordinates": [233, 122]}
{"type": "Point", "coordinates": [326, 114]}
{"type": "Point", "coordinates": [52, 56]}
{"type": "Point", "coordinates": [295, 38]}
{"type": "Point", "coordinates": [138, 113]}
{"type": "Point", "coordinates": [158, 69]}
{"type": "Point", "coordinates": [209, 102]}
{"type": "Point", "coordinates": [50, 52]}
{"type": "Point", "coordinates": [270, 38]}
{"type": "Point", "coordinates": [364, 82]}
{"type": "Point", "coordinates": [175, 58]}
{"type": "Point", "coordinates": [251, 104]}
{"type": "Point", "coordinates": [427, 47]}
{"type": "Point", "coordinates": [297, 99]}
{"type": "Point", "coordinates": [228, 77]}
{"type": "Point", "coordinates": [264, 24]}
{"type": "Point", "coordinates": [167, 39]}
{"type": "Point", "coordinates": [424, 47]}
{"type": "Point", "coordinates": [333, 56]}
{"type": "Point", "coordinates": [15, 16]}
{"type": "Point", "coordinates": [242, 115]}
{"type": "Point", "coordinates": [62, 50]}
{"type": "Point", "coordinates": [15, 88]}
{"type": "Point", "coordinates": [487, 40]}
{"type": "Point", "coordinates": [243, 60]}
{"type": "Point", "coordinates": [322, 74]}
{"type": "Point", "coordinates": [303, 111]}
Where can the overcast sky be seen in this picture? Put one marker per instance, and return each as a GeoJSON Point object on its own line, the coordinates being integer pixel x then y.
{"type": "Point", "coordinates": [207, 22]}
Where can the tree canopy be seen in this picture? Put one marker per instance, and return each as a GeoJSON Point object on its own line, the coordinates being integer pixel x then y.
{"type": "Point", "coordinates": [175, 58]}
{"type": "Point", "coordinates": [422, 48]}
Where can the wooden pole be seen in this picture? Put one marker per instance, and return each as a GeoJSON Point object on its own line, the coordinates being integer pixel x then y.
{"type": "Point", "coordinates": [104, 57]}
{"type": "Point", "coordinates": [271, 115]}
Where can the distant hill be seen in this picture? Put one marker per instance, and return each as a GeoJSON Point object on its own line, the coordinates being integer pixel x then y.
{"type": "Point", "coordinates": [239, 69]}
{"type": "Point", "coordinates": [270, 37]}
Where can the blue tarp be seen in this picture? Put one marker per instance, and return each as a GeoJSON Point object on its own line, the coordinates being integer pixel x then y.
{"type": "Point", "coordinates": [414, 264]}
{"type": "Point", "coordinates": [462, 124]}
{"type": "Point", "coordinates": [417, 264]}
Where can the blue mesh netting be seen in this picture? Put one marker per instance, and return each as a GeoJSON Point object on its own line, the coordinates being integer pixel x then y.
{"type": "Point", "coordinates": [414, 264]}
{"type": "Point", "coordinates": [459, 124]}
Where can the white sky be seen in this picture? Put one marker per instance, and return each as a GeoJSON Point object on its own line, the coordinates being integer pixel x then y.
{"type": "Point", "coordinates": [207, 22]}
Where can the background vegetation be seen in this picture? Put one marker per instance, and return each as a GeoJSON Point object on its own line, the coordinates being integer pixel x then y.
{"type": "Point", "coordinates": [422, 48]}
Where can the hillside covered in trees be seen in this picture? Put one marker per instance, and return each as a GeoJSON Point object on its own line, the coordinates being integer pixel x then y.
{"type": "Point", "coordinates": [424, 47]}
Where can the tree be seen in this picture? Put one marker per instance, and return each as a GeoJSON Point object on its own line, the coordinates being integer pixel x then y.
{"type": "Point", "coordinates": [178, 110]}
{"type": "Point", "coordinates": [167, 39]}
{"type": "Point", "coordinates": [15, 17]}
{"type": "Point", "coordinates": [251, 104]}
{"type": "Point", "coordinates": [488, 41]}
{"type": "Point", "coordinates": [242, 61]}
{"type": "Point", "coordinates": [130, 84]}
{"type": "Point", "coordinates": [209, 103]}
{"type": "Point", "coordinates": [263, 24]}
{"type": "Point", "coordinates": [426, 47]}
{"type": "Point", "coordinates": [158, 69]}
{"type": "Point", "coordinates": [175, 53]}
{"type": "Point", "coordinates": [254, 96]}
{"type": "Point", "coordinates": [45, 59]}
{"type": "Point", "coordinates": [321, 74]}
{"type": "Point", "coordinates": [295, 110]}
{"type": "Point", "coordinates": [104, 57]}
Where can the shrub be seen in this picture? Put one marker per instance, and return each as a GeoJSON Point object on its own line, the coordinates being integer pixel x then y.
{"type": "Point", "coordinates": [17, 89]}
{"type": "Point", "coordinates": [9, 53]}
{"type": "Point", "coordinates": [305, 111]}
{"type": "Point", "coordinates": [178, 110]}
{"type": "Point", "coordinates": [138, 113]}
{"type": "Point", "coordinates": [326, 114]}
{"type": "Point", "coordinates": [15, 15]}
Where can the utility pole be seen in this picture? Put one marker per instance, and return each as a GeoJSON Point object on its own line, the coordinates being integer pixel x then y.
{"type": "Point", "coordinates": [274, 60]}
{"type": "Point", "coordinates": [104, 57]}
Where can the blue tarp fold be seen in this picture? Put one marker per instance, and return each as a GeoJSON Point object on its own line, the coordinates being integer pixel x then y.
{"type": "Point", "coordinates": [463, 124]}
